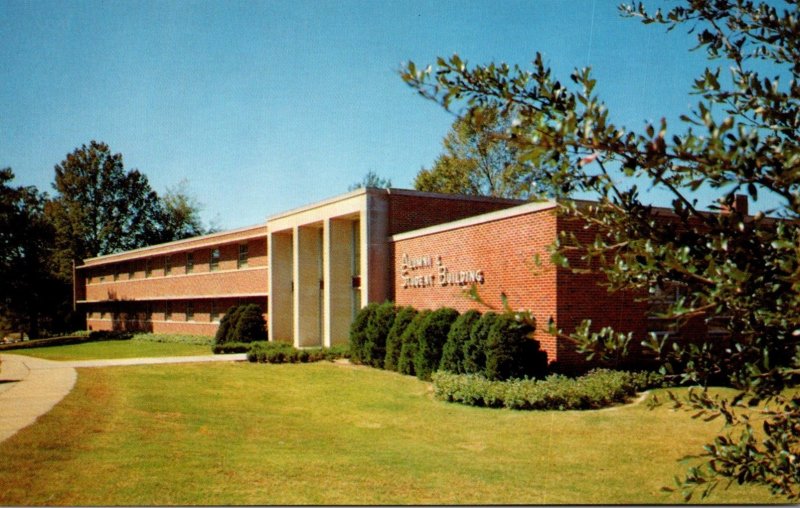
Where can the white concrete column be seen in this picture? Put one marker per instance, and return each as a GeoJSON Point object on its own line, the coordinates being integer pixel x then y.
{"type": "Point", "coordinates": [337, 270]}
{"type": "Point", "coordinates": [307, 281]}
{"type": "Point", "coordinates": [281, 300]}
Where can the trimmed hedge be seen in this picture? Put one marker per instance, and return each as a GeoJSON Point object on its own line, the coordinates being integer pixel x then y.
{"type": "Point", "coordinates": [358, 332]}
{"type": "Point", "coordinates": [475, 347]}
{"type": "Point", "coordinates": [431, 336]}
{"type": "Point", "coordinates": [378, 327]}
{"type": "Point", "coordinates": [282, 352]}
{"type": "Point", "coordinates": [510, 351]}
{"type": "Point", "coordinates": [233, 347]}
{"type": "Point", "coordinates": [409, 344]}
{"type": "Point", "coordinates": [95, 336]}
{"type": "Point", "coordinates": [402, 319]}
{"type": "Point", "coordinates": [453, 350]}
{"type": "Point", "coordinates": [598, 388]}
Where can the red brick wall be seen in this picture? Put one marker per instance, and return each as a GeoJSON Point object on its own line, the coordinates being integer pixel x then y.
{"type": "Point", "coordinates": [504, 250]}
{"type": "Point", "coordinates": [410, 212]}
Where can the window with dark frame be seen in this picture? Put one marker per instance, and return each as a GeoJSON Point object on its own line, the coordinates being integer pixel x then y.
{"type": "Point", "coordinates": [242, 261]}
{"type": "Point", "coordinates": [214, 262]}
{"type": "Point", "coordinates": [167, 311]}
{"type": "Point", "coordinates": [189, 311]}
{"type": "Point", "coordinates": [189, 262]}
{"type": "Point", "coordinates": [167, 265]}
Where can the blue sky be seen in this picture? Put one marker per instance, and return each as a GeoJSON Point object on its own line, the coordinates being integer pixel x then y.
{"type": "Point", "coordinates": [268, 105]}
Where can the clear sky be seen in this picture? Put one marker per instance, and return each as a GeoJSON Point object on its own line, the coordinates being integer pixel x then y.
{"type": "Point", "coordinates": [264, 106]}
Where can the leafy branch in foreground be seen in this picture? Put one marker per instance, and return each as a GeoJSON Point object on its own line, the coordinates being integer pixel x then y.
{"type": "Point", "coordinates": [739, 270]}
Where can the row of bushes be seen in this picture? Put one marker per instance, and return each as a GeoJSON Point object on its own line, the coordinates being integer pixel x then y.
{"type": "Point", "coordinates": [242, 323]}
{"type": "Point", "coordinates": [282, 352]}
{"type": "Point", "coordinates": [598, 388]}
{"type": "Point", "coordinates": [80, 338]}
{"type": "Point", "coordinates": [496, 346]}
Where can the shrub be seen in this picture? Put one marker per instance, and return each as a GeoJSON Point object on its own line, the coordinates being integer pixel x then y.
{"type": "Point", "coordinates": [475, 347]}
{"type": "Point", "coordinates": [453, 350]}
{"type": "Point", "coordinates": [378, 327]}
{"type": "Point", "coordinates": [174, 338]}
{"type": "Point", "coordinates": [597, 389]}
{"type": "Point", "coordinates": [431, 336]}
{"type": "Point", "coordinates": [358, 332]}
{"type": "Point", "coordinates": [250, 325]}
{"type": "Point", "coordinates": [394, 342]}
{"type": "Point", "coordinates": [408, 348]}
{"type": "Point", "coordinates": [227, 324]}
{"type": "Point", "coordinates": [510, 351]}
{"type": "Point", "coordinates": [282, 352]}
{"type": "Point", "coordinates": [100, 335]}
{"type": "Point", "coordinates": [233, 347]}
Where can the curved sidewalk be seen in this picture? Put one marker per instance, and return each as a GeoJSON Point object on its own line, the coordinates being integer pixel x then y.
{"type": "Point", "coordinates": [30, 387]}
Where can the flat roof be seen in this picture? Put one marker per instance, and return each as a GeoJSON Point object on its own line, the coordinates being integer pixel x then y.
{"type": "Point", "coordinates": [194, 242]}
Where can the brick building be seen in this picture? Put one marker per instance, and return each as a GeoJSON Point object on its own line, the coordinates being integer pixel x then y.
{"type": "Point", "coordinates": [312, 268]}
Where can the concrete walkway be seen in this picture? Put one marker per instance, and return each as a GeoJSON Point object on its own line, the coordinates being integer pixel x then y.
{"type": "Point", "coordinates": [30, 387]}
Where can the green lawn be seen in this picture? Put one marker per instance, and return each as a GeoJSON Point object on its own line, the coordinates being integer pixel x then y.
{"type": "Point", "coordinates": [332, 434]}
{"type": "Point", "coordinates": [114, 349]}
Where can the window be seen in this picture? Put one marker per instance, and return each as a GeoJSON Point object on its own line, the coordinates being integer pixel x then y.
{"type": "Point", "coordinates": [189, 262]}
{"type": "Point", "coordinates": [116, 272]}
{"type": "Point", "coordinates": [214, 313]}
{"type": "Point", "coordinates": [214, 263]}
{"type": "Point", "coordinates": [167, 264]}
{"type": "Point", "coordinates": [242, 256]}
{"type": "Point", "coordinates": [148, 268]}
{"type": "Point", "coordinates": [131, 270]}
{"type": "Point", "coordinates": [167, 311]}
{"type": "Point", "coordinates": [189, 311]}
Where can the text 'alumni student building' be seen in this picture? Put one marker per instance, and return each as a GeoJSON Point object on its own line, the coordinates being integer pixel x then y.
{"type": "Point", "coordinates": [312, 268]}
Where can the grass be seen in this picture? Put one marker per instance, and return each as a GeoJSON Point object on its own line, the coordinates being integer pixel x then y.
{"type": "Point", "coordinates": [132, 348]}
{"type": "Point", "coordinates": [329, 434]}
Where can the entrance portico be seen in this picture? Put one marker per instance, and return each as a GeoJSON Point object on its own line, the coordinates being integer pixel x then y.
{"type": "Point", "coordinates": [326, 260]}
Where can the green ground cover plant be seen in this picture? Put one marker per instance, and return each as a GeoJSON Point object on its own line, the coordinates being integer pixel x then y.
{"type": "Point", "coordinates": [596, 389]}
{"type": "Point", "coordinates": [282, 352]}
{"type": "Point", "coordinates": [322, 433]}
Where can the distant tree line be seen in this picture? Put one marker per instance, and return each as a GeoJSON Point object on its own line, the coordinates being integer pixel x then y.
{"type": "Point", "coordinates": [98, 208]}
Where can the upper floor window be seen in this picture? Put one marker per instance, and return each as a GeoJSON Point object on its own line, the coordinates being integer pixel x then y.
{"type": "Point", "coordinates": [214, 263]}
{"type": "Point", "coordinates": [116, 272]}
{"type": "Point", "coordinates": [131, 269]}
{"type": "Point", "coordinates": [148, 268]}
{"type": "Point", "coordinates": [167, 265]}
{"type": "Point", "coordinates": [213, 315]}
{"type": "Point", "coordinates": [189, 262]}
{"type": "Point", "coordinates": [242, 261]}
{"type": "Point", "coordinates": [189, 311]}
{"type": "Point", "coordinates": [167, 311]}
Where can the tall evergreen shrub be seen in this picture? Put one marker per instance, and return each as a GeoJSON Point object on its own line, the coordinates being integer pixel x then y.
{"type": "Point", "coordinates": [408, 349]}
{"type": "Point", "coordinates": [227, 325]}
{"type": "Point", "coordinates": [378, 327]}
{"type": "Point", "coordinates": [250, 324]}
{"type": "Point", "coordinates": [431, 337]}
{"type": "Point", "coordinates": [475, 347]}
{"type": "Point", "coordinates": [453, 350]}
{"type": "Point", "coordinates": [394, 343]}
{"type": "Point", "coordinates": [358, 332]}
{"type": "Point", "coordinates": [510, 350]}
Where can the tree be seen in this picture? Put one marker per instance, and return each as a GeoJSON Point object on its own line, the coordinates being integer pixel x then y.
{"type": "Point", "coordinates": [180, 214]}
{"type": "Point", "coordinates": [101, 208]}
{"type": "Point", "coordinates": [371, 180]}
{"type": "Point", "coordinates": [480, 159]}
{"type": "Point", "coordinates": [27, 287]}
{"type": "Point", "coordinates": [739, 269]}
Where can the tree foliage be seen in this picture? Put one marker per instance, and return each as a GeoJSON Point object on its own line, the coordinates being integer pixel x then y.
{"type": "Point", "coordinates": [479, 159]}
{"type": "Point", "coordinates": [180, 214]}
{"type": "Point", "coordinates": [28, 290]}
{"type": "Point", "coordinates": [100, 208]}
{"type": "Point", "coordinates": [371, 180]}
{"type": "Point", "coordinates": [741, 270]}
